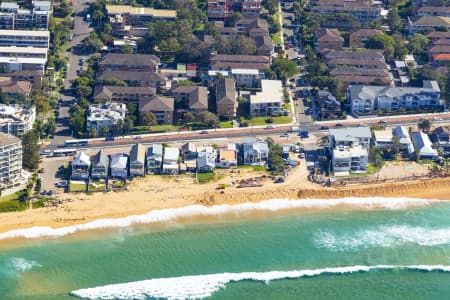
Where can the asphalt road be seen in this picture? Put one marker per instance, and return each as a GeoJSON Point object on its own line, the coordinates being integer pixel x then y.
{"type": "Point", "coordinates": [81, 31]}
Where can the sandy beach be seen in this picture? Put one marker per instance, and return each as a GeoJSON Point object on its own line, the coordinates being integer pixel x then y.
{"type": "Point", "coordinates": [161, 192]}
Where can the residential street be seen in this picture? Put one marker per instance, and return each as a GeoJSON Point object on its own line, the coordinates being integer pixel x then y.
{"type": "Point", "coordinates": [81, 30]}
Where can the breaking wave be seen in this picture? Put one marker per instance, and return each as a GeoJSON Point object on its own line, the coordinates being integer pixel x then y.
{"type": "Point", "coordinates": [165, 215]}
{"type": "Point", "coordinates": [382, 236]}
{"type": "Point", "coordinates": [202, 286]}
{"type": "Point", "coordinates": [21, 264]}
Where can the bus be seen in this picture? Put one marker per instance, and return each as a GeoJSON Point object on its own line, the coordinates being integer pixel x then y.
{"type": "Point", "coordinates": [64, 152]}
{"type": "Point", "coordinates": [76, 143]}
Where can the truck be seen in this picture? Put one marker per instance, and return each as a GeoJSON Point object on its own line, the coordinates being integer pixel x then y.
{"type": "Point", "coordinates": [304, 134]}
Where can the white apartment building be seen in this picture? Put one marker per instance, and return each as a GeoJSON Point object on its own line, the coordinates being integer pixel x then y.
{"type": "Point", "coordinates": [269, 100]}
{"type": "Point", "coordinates": [13, 17]}
{"type": "Point", "coordinates": [367, 99]}
{"type": "Point", "coordinates": [25, 38]}
{"type": "Point", "coordinates": [16, 119]}
{"type": "Point", "coordinates": [10, 159]}
{"type": "Point", "coordinates": [350, 149]}
{"type": "Point", "coordinates": [105, 115]}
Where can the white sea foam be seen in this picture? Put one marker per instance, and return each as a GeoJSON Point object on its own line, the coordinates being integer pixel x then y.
{"type": "Point", "coordinates": [165, 215]}
{"type": "Point", "coordinates": [202, 286]}
{"type": "Point", "coordinates": [383, 236]}
{"type": "Point", "coordinates": [21, 264]}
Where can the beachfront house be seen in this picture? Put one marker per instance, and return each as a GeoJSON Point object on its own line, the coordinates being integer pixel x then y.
{"type": "Point", "coordinates": [189, 151]}
{"type": "Point", "coordinates": [423, 146]}
{"type": "Point", "coordinates": [227, 159]}
{"type": "Point", "coordinates": [170, 162]}
{"type": "Point", "coordinates": [155, 158]}
{"type": "Point", "coordinates": [255, 152]}
{"type": "Point", "coordinates": [383, 138]}
{"type": "Point", "coordinates": [402, 134]}
{"type": "Point", "coordinates": [119, 166]}
{"type": "Point", "coordinates": [100, 165]}
{"type": "Point", "coordinates": [441, 136]}
{"type": "Point", "coordinates": [350, 150]}
{"type": "Point", "coordinates": [81, 166]}
{"type": "Point", "coordinates": [137, 160]}
{"type": "Point", "coordinates": [206, 160]}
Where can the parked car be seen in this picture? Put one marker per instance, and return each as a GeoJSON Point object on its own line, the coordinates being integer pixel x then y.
{"type": "Point", "coordinates": [285, 134]}
{"type": "Point", "coordinates": [270, 127]}
{"type": "Point", "coordinates": [204, 132]}
{"type": "Point", "coordinates": [41, 170]}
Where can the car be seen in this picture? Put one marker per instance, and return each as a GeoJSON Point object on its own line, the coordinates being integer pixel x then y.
{"type": "Point", "coordinates": [270, 127]}
{"type": "Point", "coordinates": [324, 128]}
{"type": "Point", "coordinates": [41, 170]}
{"type": "Point", "coordinates": [279, 180]}
{"type": "Point", "coordinates": [285, 134]}
{"type": "Point", "coordinates": [138, 137]}
{"type": "Point", "coordinates": [204, 132]}
{"type": "Point", "coordinates": [62, 183]}
{"type": "Point", "coordinates": [301, 155]}
{"type": "Point", "coordinates": [339, 125]}
{"type": "Point", "coordinates": [382, 122]}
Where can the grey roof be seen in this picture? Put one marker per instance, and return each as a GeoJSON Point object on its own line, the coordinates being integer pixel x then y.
{"type": "Point", "coordinates": [129, 59]}
{"type": "Point", "coordinates": [255, 146]}
{"type": "Point", "coordinates": [137, 153]}
{"type": "Point", "coordinates": [100, 159]}
{"type": "Point", "coordinates": [6, 139]}
{"type": "Point", "coordinates": [119, 161]}
{"type": "Point", "coordinates": [81, 159]}
{"type": "Point", "coordinates": [156, 103]}
{"type": "Point", "coordinates": [198, 96]}
{"type": "Point", "coordinates": [371, 92]}
{"type": "Point", "coordinates": [366, 54]}
{"type": "Point", "coordinates": [423, 144]}
{"type": "Point", "coordinates": [155, 150]}
{"type": "Point", "coordinates": [350, 133]}
{"type": "Point", "coordinates": [131, 76]}
{"type": "Point", "coordinates": [107, 91]}
{"type": "Point", "coordinates": [225, 89]}
{"type": "Point", "coordinates": [241, 58]}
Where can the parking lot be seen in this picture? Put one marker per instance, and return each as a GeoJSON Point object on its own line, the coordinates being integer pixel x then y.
{"type": "Point", "coordinates": [49, 176]}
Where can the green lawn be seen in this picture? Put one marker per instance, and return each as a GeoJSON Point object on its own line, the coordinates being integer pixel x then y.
{"type": "Point", "coordinates": [276, 38]}
{"type": "Point", "coordinates": [77, 187]}
{"type": "Point", "coordinates": [97, 186]}
{"type": "Point", "coordinates": [12, 203]}
{"type": "Point", "coordinates": [205, 177]}
{"type": "Point", "coordinates": [258, 121]}
{"type": "Point", "coordinates": [226, 124]}
{"type": "Point", "coordinates": [156, 128]}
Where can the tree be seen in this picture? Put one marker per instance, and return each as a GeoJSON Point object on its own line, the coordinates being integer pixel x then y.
{"type": "Point", "coordinates": [50, 126]}
{"type": "Point", "coordinates": [188, 117]}
{"type": "Point", "coordinates": [275, 159]}
{"type": "Point", "coordinates": [417, 44]}
{"type": "Point", "coordinates": [42, 103]}
{"type": "Point", "coordinates": [148, 119]}
{"type": "Point", "coordinates": [30, 150]}
{"type": "Point", "coordinates": [126, 49]}
{"type": "Point", "coordinates": [114, 81]}
{"type": "Point", "coordinates": [376, 156]}
{"type": "Point", "coordinates": [384, 42]}
{"type": "Point", "coordinates": [284, 68]}
{"type": "Point", "coordinates": [38, 185]}
{"type": "Point", "coordinates": [424, 124]}
{"type": "Point", "coordinates": [92, 44]}
{"type": "Point", "coordinates": [92, 132]}
{"type": "Point", "coordinates": [242, 45]}
{"type": "Point", "coordinates": [208, 119]}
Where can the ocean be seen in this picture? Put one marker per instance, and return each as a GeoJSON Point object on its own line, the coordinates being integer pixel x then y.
{"type": "Point", "coordinates": [350, 248]}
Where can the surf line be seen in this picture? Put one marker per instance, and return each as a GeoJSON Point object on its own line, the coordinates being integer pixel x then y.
{"type": "Point", "coordinates": [202, 286]}
{"type": "Point", "coordinates": [171, 214]}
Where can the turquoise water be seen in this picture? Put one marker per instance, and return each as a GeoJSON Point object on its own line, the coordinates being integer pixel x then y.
{"type": "Point", "coordinates": [53, 267]}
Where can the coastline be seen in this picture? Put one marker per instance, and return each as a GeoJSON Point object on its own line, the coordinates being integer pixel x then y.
{"type": "Point", "coordinates": [143, 198]}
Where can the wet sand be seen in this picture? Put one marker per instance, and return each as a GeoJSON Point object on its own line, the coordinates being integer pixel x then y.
{"type": "Point", "coordinates": [153, 194]}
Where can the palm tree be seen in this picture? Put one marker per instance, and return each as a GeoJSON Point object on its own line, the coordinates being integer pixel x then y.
{"type": "Point", "coordinates": [425, 125]}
